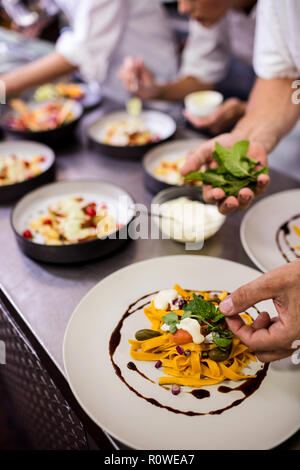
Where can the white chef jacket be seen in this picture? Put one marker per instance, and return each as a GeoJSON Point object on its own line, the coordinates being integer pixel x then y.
{"type": "Point", "coordinates": [277, 42]}
{"type": "Point", "coordinates": [103, 32]}
{"type": "Point", "coordinates": [209, 50]}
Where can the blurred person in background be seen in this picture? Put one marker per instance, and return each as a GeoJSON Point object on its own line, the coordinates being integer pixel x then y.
{"type": "Point", "coordinates": [274, 106]}
{"type": "Point", "coordinates": [31, 18]}
{"type": "Point", "coordinates": [218, 55]}
{"type": "Point", "coordinates": [101, 34]}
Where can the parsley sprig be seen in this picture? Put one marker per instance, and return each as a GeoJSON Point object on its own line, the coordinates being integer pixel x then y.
{"type": "Point", "coordinates": [235, 171]}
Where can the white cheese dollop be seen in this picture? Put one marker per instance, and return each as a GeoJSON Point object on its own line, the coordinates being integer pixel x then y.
{"type": "Point", "coordinates": [189, 221]}
{"type": "Point", "coordinates": [164, 298]}
{"type": "Point", "coordinates": [209, 338]}
{"type": "Point", "coordinates": [192, 326]}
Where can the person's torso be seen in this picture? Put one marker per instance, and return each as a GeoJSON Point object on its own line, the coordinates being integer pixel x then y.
{"type": "Point", "coordinates": [146, 32]}
{"type": "Point", "coordinates": [241, 34]}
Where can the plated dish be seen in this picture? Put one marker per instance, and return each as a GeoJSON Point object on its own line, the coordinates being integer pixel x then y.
{"type": "Point", "coordinates": [15, 170]}
{"type": "Point", "coordinates": [47, 120]}
{"type": "Point", "coordinates": [45, 117]}
{"type": "Point", "coordinates": [190, 341]}
{"type": "Point", "coordinates": [121, 135]}
{"type": "Point", "coordinates": [129, 132]}
{"type": "Point", "coordinates": [88, 94]}
{"type": "Point", "coordinates": [162, 164]}
{"type": "Point", "coordinates": [70, 220]}
{"type": "Point", "coordinates": [24, 166]}
{"type": "Point", "coordinates": [273, 244]}
{"type": "Point", "coordinates": [50, 91]}
{"type": "Point", "coordinates": [267, 404]}
{"type": "Point", "coordinates": [74, 221]}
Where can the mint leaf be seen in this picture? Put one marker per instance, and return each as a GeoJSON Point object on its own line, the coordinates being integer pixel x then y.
{"type": "Point", "coordinates": [206, 312]}
{"type": "Point", "coordinates": [217, 158]}
{"type": "Point", "coordinates": [240, 149]}
{"type": "Point", "coordinates": [222, 338]}
{"type": "Point", "coordinates": [187, 314]}
{"type": "Point", "coordinates": [263, 171]}
{"type": "Point", "coordinates": [221, 342]}
{"type": "Point", "coordinates": [235, 167]}
{"type": "Point", "coordinates": [202, 310]}
{"type": "Point", "coordinates": [171, 319]}
{"type": "Point", "coordinates": [173, 328]}
{"type": "Point", "coordinates": [235, 171]}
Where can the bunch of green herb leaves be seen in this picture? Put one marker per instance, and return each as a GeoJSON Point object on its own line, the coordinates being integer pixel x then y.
{"type": "Point", "coordinates": [205, 312]}
{"type": "Point", "coordinates": [235, 170]}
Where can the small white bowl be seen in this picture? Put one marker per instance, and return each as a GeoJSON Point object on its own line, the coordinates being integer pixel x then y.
{"type": "Point", "coordinates": [168, 228]}
{"type": "Point", "coordinates": [203, 103]}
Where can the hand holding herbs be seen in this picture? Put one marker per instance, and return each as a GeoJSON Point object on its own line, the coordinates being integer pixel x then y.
{"type": "Point", "coordinates": [234, 172]}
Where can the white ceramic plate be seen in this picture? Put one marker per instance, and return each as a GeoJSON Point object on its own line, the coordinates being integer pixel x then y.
{"type": "Point", "coordinates": [169, 152]}
{"type": "Point", "coordinates": [120, 204]}
{"type": "Point", "coordinates": [262, 233]}
{"type": "Point", "coordinates": [157, 123]}
{"type": "Point", "coordinates": [26, 150]}
{"type": "Point", "coordinates": [262, 421]}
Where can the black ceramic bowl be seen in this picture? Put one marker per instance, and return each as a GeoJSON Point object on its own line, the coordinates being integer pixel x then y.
{"type": "Point", "coordinates": [158, 123]}
{"type": "Point", "coordinates": [52, 136]}
{"type": "Point", "coordinates": [27, 150]}
{"type": "Point", "coordinates": [31, 206]}
{"type": "Point", "coordinates": [170, 152]}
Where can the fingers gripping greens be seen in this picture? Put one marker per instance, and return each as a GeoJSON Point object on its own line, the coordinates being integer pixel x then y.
{"type": "Point", "coordinates": [235, 171]}
{"type": "Point", "coordinates": [207, 315]}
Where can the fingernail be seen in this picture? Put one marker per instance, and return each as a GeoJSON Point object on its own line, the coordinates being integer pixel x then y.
{"type": "Point", "coordinates": [226, 306]}
{"type": "Point", "coordinates": [230, 206]}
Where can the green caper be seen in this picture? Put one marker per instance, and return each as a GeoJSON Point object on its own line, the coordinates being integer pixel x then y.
{"type": "Point", "coordinates": [218, 355]}
{"type": "Point", "coordinates": [142, 335]}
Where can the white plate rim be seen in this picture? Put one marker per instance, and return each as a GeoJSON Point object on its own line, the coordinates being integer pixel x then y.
{"type": "Point", "coordinates": [151, 154]}
{"type": "Point", "coordinates": [62, 183]}
{"type": "Point", "coordinates": [115, 114]}
{"type": "Point", "coordinates": [244, 224]}
{"type": "Point", "coordinates": [40, 147]}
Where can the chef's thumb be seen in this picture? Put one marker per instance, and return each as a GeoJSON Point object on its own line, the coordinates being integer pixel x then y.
{"type": "Point", "coordinates": [263, 288]}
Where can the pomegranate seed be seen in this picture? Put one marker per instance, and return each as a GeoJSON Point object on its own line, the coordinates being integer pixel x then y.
{"type": "Point", "coordinates": [90, 211]}
{"type": "Point", "coordinates": [176, 389]}
{"type": "Point", "coordinates": [27, 234]}
{"type": "Point", "coordinates": [180, 350]}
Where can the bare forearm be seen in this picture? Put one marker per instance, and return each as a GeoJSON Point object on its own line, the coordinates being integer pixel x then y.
{"type": "Point", "coordinates": [178, 89]}
{"type": "Point", "coordinates": [270, 114]}
{"type": "Point", "coordinates": [46, 69]}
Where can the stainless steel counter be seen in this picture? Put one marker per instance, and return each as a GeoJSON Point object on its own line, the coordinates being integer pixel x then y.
{"type": "Point", "coordinates": [45, 296]}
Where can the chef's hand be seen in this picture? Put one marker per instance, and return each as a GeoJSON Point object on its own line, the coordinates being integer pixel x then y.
{"type": "Point", "coordinates": [224, 118]}
{"type": "Point", "coordinates": [138, 79]}
{"type": "Point", "coordinates": [203, 155]}
{"type": "Point", "coordinates": [270, 339]}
